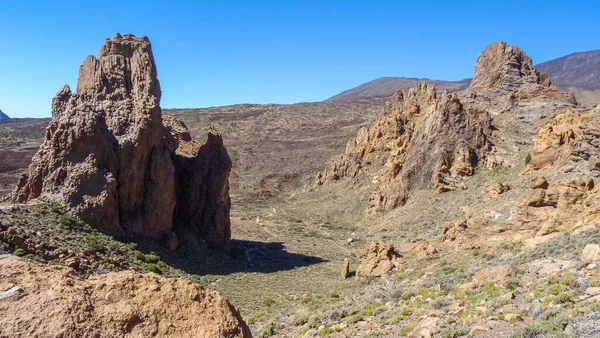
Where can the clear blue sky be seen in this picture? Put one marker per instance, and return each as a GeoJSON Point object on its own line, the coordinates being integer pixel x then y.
{"type": "Point", "coordinates": [212, 53]}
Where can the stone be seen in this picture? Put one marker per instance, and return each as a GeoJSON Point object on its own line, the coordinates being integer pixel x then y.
{"type": "Point", "coordinates": [591, 253]}
{"type": "Point", "coordinates": [549, 266]}
{"type": "Point", "coordinates": [496, 274]}
{"type": "Point", "coordinates": [513, 317]}
{"type": "Point", "coordinates": [345, 269]}
{"type": "Point", "coordinates": [54, 301]}
{"type": "Point", "coordinates": [428, 142]}
{"type": "Point", "coordinates": [592, 291]}
{"type": "Point", "coordinates": [114, 161]}
{"type": "Point", "coordinates": [453, 231]}
{"type": "Point", "coordinates": [504, 67]}
{"type": "Point", "coordinates": [379, 257]}
{"type": "Point", "coordinates": [494, 190]}
{"type": "Point", "coordinates": [539, 182]}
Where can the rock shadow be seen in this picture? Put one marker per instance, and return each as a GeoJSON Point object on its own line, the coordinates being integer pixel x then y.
{"type": "Point", "coordinates": [245, 256]}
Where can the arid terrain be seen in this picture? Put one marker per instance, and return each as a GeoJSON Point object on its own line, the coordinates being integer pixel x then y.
{"type": "Point", "coordinates": [472, 212]}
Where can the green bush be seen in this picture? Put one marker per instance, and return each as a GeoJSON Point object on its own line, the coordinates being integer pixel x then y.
{"type": "Point", "coordinates": [19, 252]}
{"type": "Point", "coordinates": [301, 318]}
{"type": "Point", "coordinates": [556, 289]}
{"type": "Point", "coordinates": [93, 243]}
{"type": "Point", "coordinates": [527, 158]}
{"type": "Point", "coordinates": [151, 258]}
{"type": "Point", "coordinates": [268, 302]}
{"type": "Point", "coordinates": [267, 330]}
{"type": "Point", "coordinates": [455, 332]}
{"type": "Point", "coordinates": [565, 297]}
{"type": "Point", "coordinates": [153, 268]}
{"type": "Point", "coordinates": [550, 323]}
{"type": "Point", "coordinates": [139, 255]}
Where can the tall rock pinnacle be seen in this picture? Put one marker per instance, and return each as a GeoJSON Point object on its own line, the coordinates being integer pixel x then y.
{"type": "Point", "coordinates": [108, 157]}
{"type": "Point", "coordinates": [506, 68]}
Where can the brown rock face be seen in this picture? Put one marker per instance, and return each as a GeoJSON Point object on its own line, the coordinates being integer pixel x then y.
{"type": "Point", "coordinates": [345, 272]}
{"type": "Point", "coordinates": [379, 258]}
{"type": "Point", "coordinates": [423, 142]}
{"type": "Point", "coordinates": [108, 157]}
{"type": "Point", "coordinates": [38, 300]}
{"type": "Point", "coordinates": [506, 68]}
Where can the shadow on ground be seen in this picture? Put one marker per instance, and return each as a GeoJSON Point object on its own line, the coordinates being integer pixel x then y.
{"type": "Point", "coordinates": [194, 257]}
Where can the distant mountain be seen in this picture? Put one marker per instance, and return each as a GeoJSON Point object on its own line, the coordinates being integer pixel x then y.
{"type": "Point", "coordinates": [379, 90]}
{"type": "Point", "coordinates": [578, 73]}
{"type": "Point", "coordinates": [579, 70]}
{"type": "Point", "coordinates": [3, 116]}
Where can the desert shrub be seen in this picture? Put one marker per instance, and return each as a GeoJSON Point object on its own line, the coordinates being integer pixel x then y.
{"type": "Point", "coordinates": [268, 329]}
{"type": "Point", "coordinates": [555, 289]}
{"type": "Point", "coordinates": [565, 297]}
{"type": "Point", "coordinates": [268, 302]}
{"type": "Point", "coordinates": [162, 266]}
{"type": "Point", "coordinates": [93, 242]}
{"type": "Point", "coordinates": [19, 252]}
{"type": "Point", "coordinates": [301, 317]}
{"type": "Point", "coordinates": [151, 258]}
{"type": "Point", "coordinates": [527, 158]}
{"type": "Point", "coordinates": [550, 323]}
{"type": "Point", "coordinates": [153, 268]}
{"type": "Point", "coordinates": [406, 329]}
{"type": "Point", "coordinates": [138, 254]}
{"type": "Point", "coordinates": [512, 284]}
{"type": "Point", "coordinates": [440, 302]}
{"type": "Point", "coordinates": [455, 332]}
{"type": "Point", "coordinates": [325, 332]}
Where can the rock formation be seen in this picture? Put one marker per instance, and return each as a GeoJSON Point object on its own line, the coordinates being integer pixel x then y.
{"type": "Point", "coordinates": [423, 142]}
{"type": "Point", "coordinates": [345, 272]}
{"type": "Point", "coordinates": [505, 68]}
{"type": "Point", "coordinates": [569, 135]}
{"type": "Point", "coordinates": [111, 158]}
{"type": "Point", "coordinates": [38, 300]}
{"type": "Point", "coordinates": [378, 258]}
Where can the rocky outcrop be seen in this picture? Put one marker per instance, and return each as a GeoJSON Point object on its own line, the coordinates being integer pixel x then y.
{"type": "Point", "coordinates": [111, 158]}
{"type": "Point", "coordinates": [558, 206]}
{"type": "Point", "coordinates": [569, 135]}
{"type": "Point", "coordinates": [505, 68]}
{"type": "Point", "coordinates": [38, 300]}
{"type": "Point", "coordinates": [422, 142]}
{"type": "Point", "coordinates": [378, 258]}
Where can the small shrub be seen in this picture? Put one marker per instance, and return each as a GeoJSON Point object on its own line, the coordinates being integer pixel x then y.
{"type": "Point", "coordinates": [565, 297]}
{"type": "Point", "coordinates": [139, 255]}
{"type": "Point", "coordinates": [512, 284]}
{"type": "Point", "coordinates": [267, 330]}
{"type": "Point", "coordinates": [268, 302]}
{"type": "Point", "coordinates": [151, 258]}
{"type": "Point", "coordinates": [455, 332]}
{"type": "Point", "coordinates": [19, 252]}
{"type": "Point", "coordinates": [527, 158]}
{"type": "Point", "coordinates": [301, 318]}
{"type": "Point", "coordinates": [406, 329]}
{"type": "Point", "coordinates": [153, 268]}
{"type": "Point", "coordinates": [326, 332]}
{"type": "Point", "coordinates": [162, 266]}
{"type": "Point", "coordinates": [92, 242]}
{"type": "Point", "coordinates": [550, 323]}
{"type": "Point", "coordinates": [556, 289]}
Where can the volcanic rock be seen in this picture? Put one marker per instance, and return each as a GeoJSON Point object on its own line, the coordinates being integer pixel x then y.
{"type": "Point", "coordinates": [423, 142]}
{"type": "Point", "coordinates": [378, 258]}
{"type": "Point", "coordinates": [591, 253]}
{"type": "Point", "coordinates": [38, 300]}
{"type": "Point", "coordinates": [110, 157]}
{"type": "Point", "coordinates": [506, 68]}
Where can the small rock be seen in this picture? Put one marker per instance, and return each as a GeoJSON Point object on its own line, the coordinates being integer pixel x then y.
{"type": "Point", "coordinates": [594, 291]}
{"type": "Point", "coordinates": [591, 253]}
{"type": "Point", "coordinates": [345, 273]}
{"type": "Point", "coordinates": [513, 317]}
{"type": "Point", "coordinates": [478, 328]}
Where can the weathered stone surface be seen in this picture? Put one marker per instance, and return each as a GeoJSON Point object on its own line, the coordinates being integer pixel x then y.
{"type": "Point", "coordinates": [378, 258]}
{"type": "Point", "coordinates": [37, 300]}
{"type": "Point", "coordinates": [423, 142]}
{"type": "Point", "coordinates": [108, 157]}
{"type": "Point", "coordinates": [345, 273]}
{"type": "Point", "coordinates": [453, 231]}
{"type": "Point", "coordinates": [591, 253]}
{"type": "Point", "coordinates": [496, 189]}
{"type": "Point", "coordinates": [504, 67]}
{"type": "Point", "coordinates": [496, 274]}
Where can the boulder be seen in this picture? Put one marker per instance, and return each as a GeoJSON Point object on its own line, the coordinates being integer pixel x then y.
{"type": "Point", "coordinates": [345, 273]}
{"type": "Point", "coordinates": [111, 158]}
{"type": "Point", "coordinates": [591, 253]}
{"type": "Point", "coordinates": [379, 257]}
{"type": "Point", "coordinates": [496, 274]}
{"type": "Point", "coordinates": [453, 231]}
{"type": "Point", "coordinates": [52, 301]}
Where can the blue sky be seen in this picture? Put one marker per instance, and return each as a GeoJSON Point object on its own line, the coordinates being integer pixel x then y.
{"type": "Point", "coordinates": [212, 53]}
